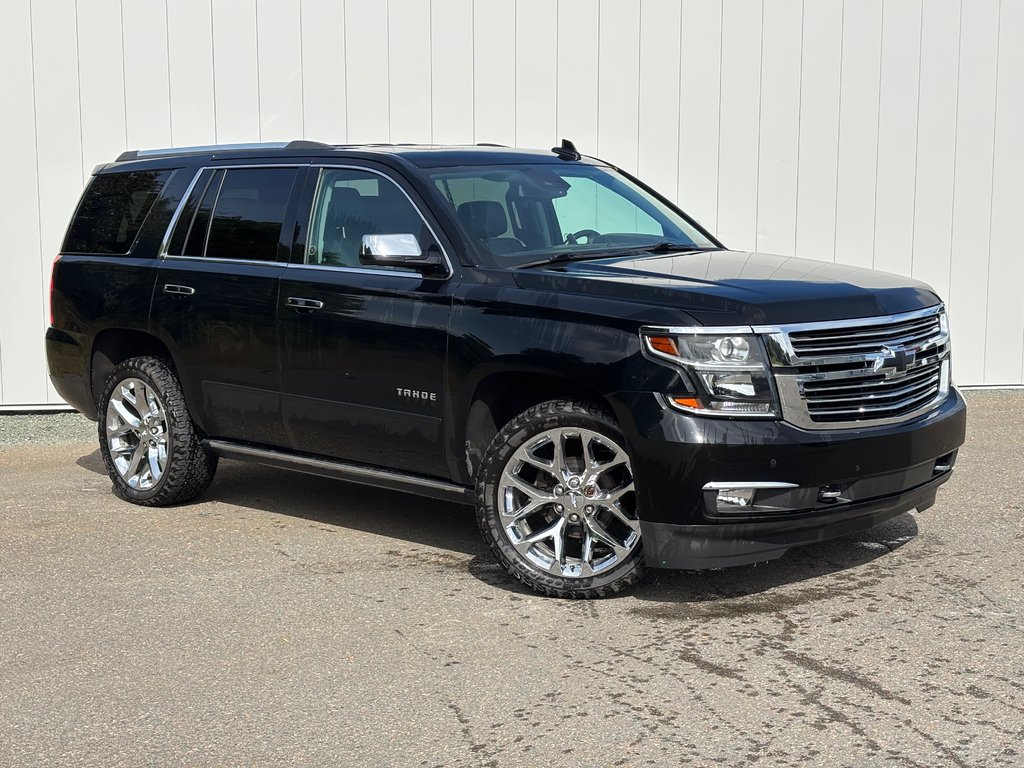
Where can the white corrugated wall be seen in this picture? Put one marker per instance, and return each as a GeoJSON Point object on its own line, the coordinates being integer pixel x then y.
{"type": "Point", "coordinates": [887, 133]}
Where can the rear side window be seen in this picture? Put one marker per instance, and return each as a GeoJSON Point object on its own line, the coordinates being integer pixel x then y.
{"type": "Point", "coordinates": [112, 212]}
{"type": "Point", "coordinates": [235, 214]}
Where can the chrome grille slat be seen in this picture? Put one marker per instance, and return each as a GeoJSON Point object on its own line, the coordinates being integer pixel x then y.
{"type": "Point", "coordinates": [920, 385]}
{"type": "Point", "coordinates": [861, 373]}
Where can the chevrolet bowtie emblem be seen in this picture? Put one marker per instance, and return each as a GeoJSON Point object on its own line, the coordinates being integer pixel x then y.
{"type": "Point", "coordinates": [894, 361]}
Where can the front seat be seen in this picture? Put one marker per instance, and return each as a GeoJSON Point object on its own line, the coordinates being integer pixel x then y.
{"type": "Point", "coordinates": [486, 222]}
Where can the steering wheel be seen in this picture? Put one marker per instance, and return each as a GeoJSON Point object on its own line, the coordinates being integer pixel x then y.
{"type": "Point", "coordinates": [572, 238]}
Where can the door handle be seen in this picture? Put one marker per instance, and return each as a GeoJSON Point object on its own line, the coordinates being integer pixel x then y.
{"type": "Point", "coordinates": [179, 290]}
{"type": "Point", "coordinates": [303, 305]}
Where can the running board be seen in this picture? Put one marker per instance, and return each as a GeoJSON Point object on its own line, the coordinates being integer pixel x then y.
{"type": "Point", "coordinates": [340, 470]}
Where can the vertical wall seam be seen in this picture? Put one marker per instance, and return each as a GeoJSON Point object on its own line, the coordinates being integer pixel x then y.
{"type": "Point", "coordinates": [597, 127]}
{"type": "Point", "coordinates": [917, 139]}
{"type": "Point", "coordinates": [956, 145]}
{"type": "Point", "coordinates": [760, 100]}
{"type": "Point", "coordinates": [124, 76]}
{"type": "Point", "coordinates": [839, 129]}
{"type": "Point", "coordinates": [170, 102]}
{"type": "Point", "coordinates": [81, 124]}
{"type": "Point", "coordinates": [799, 129]}
{"type": "Point", "coordinates": [302, 74]}
{"type": "Point", "coordinates": [387, 69]}
{"type": "Point", "coordinates": [259, 79]}
{"type": "Point", "coordinates": [718, 148]}
{"type": "Point", "coordinates": [639, 79]}
{"type": "Point", "coordinates": [344, 58]}
{"type": "Point", "coordinates": [679, 116]}
{"type": "Point", "coordinates": [991, 197]}
{"type": "Point", "coordinates": [878, 135]}
{"type": "Point", "coordinates": [213, 67]}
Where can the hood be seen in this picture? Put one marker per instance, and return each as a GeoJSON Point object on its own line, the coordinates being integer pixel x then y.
{"type": "Point", "coordinates": [737, 288]}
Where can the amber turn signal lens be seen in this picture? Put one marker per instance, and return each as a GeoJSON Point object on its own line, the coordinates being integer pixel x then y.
{"type": "Point", "coordinates": [688, 402]}
{"type": "Point", "coordinates": [664, 344]}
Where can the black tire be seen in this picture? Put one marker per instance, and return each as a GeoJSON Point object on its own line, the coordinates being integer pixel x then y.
{"type": "Point", "coordinates": [189, 468]}
{"type": "Point", "coordinates": [553, 414]}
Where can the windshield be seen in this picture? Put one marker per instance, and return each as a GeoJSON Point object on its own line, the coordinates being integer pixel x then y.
{"type": "Point", "coordinates": [521, 214]}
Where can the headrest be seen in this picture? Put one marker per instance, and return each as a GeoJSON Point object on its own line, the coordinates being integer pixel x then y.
{"type": "Point", "coordinates": [347, 203]}
{"type": "Point", "coordinates": [483, 218]}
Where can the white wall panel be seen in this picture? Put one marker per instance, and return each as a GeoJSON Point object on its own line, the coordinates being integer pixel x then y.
{"type": "Point", "coordinates": [618, 75]}
{"type": "Point", "coordinates": [279, 50]}
{"type": "Point", "coordinates": [972, 188]}
{"type": "Point", "coordinates": [494, 72]}
{"type": "Point", "coordinates": [22, 367]}
{"type": "Point", "coordinates": [366, 72]}
{"type": "Point", "coordinates": [817, 176]}
{"type": "Point", "coordinates": [536, 84]}
{"type": "Point", "coordinates": [59, 158]}
{"type": "Point", "coordinates": [147, 93]}
{"type": "Point", "coordinates": [451, 56]}
{"type": "Point", "coordinates": [236, 75]}
{"type": "Point", "coordinates": [936, 143]}
{"type": "Point", "coordinates": [700, 109]}
{"type": "Point", "coordinates": [779, 141]}
{"type": "Point", "coordinates": [738, 132]}
{"type": "Point", "coordinates": [409, 71]}
{"type": "Point", "coordinates": [1004, 340]}
{"type": "Point", "coordinates": [660, 31]}
{"type": "Point", "coordinates": [324, 91]}
{"type": "Point", "coordinates": [858, 133]}
{"type": "Point", "coordinates": [576, 112]}
{"type": "Point", "coordinates": [897, 136]}
{"type": "Point", "coordinates": [875, 132]}
{"type": "Point", "coordinates": [190, 72]}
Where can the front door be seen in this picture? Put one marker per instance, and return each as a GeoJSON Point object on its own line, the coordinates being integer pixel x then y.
{"type": "Point", "coordinates": [215, 302]}
{"type": "Point", "coordinates": [363, 348]}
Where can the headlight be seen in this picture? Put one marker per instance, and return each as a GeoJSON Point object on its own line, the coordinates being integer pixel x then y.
{"type": "Point", "coordinates": [728, 365]}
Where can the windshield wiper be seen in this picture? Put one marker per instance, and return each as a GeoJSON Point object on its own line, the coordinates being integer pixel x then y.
{"type": "Point", "coordinates": [667, 246]}
{"type": "Point", "coordinates": [565, 256]}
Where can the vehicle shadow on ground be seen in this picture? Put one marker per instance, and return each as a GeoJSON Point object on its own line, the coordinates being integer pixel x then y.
{"type": "Point", "coordinates": [452, 527]}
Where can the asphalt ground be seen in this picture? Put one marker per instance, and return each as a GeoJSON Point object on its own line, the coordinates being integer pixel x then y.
{"type": "Point", "coordinates": [292, 620]}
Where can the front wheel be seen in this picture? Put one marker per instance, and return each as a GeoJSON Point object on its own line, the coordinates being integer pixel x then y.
{"type": "Point", "coordinates": [557, 504]}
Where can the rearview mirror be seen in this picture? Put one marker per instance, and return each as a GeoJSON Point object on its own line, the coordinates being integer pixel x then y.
{"type": "Point", "coordinates": [398, 250]}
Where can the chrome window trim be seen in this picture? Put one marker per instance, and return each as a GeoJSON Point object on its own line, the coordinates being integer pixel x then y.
{"type": "Point", "coordinates": [215, 260]}
{"type": "Point", "coordinates": [166, 242]}
{"type": "Point", "coordinates": [371, 270]}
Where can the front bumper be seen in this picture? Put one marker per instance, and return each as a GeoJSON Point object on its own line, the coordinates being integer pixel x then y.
{"type": "Point", "coordinates": [881, 471]}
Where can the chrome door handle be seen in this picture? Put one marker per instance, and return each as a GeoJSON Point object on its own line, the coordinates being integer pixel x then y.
{"type": "Point", "coordinates": [306, 305]}
{"type": "Point", "coordinates": [179, 290]}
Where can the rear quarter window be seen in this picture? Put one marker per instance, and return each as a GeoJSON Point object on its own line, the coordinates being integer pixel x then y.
{"type": "Point", "coordinates": [112, 212]}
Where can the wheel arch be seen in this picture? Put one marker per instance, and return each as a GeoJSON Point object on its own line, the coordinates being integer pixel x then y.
{"type": "Point", "coordinates": [112, 346]}
{"type": "Point", "coordinates": [500, 396]}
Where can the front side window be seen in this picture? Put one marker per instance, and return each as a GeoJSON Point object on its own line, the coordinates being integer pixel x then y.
{"type": "Point", "coordinates": [235, 213]}
{"type": "Point", "coordinates": [517, 214]}
{"type": "Point", "coordinates": [112, 212]}
{"type": "Point", "coordinates": [352, 203]}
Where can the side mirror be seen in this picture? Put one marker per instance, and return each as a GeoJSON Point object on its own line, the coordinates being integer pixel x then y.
{"type": "Point", "coordinates": [398, 250]}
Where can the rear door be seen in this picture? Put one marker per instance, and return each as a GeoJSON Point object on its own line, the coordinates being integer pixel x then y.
{"type": "Point", "coordinates": [363, 348]}
{"type": "Point", "coordinates": [215, 299]}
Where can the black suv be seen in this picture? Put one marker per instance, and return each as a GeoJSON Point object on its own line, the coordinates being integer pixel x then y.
{"type": "Point", "coordinates": [536, 333]}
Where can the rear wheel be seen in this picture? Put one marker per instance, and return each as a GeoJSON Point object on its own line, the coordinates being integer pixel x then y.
{"type": "Point", "coordinates": [148, 442]}
{"type": "Point", "coordinates": [557, 504]}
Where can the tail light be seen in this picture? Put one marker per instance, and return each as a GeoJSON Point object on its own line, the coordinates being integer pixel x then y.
{"type": "Point", "coordinates": [53, 272]}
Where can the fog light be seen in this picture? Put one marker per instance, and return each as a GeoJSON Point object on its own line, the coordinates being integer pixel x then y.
{"type": "Point", "coordinates": [741, 498]}
{"type": "Point", "coordinates": [732, 498]}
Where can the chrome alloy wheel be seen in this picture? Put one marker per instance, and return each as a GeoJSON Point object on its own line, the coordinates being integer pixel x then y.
{"type": "Point", "coordinates": [567, 502]}
{"type": "Point", "coordinates": [137, 436]}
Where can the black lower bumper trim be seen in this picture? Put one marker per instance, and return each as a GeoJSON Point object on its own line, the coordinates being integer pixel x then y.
{"type": "Point", "coordinates": [719, 546]}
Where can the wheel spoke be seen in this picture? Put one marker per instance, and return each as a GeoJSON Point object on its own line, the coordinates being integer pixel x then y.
{"type": "Point", "coordinates": [546, 533]}
{"type": "Point", "coordinates": [531, 491]}
{"type": "Point", "coordinates": [136, 461]}
{"type": "Point", "coordinates": [558, 460]}
{"type": "Point", "coordinates": [126, 415]}
{"type": "Point", "coordinates": [154, 462]}
{"type": "Point", "coordinates": [119, 431]}
{"type": "Point", "coordinates": [600, 534]}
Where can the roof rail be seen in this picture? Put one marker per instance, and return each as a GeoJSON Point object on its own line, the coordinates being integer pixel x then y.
{"type": "Point", "coordinates": [138, 154]}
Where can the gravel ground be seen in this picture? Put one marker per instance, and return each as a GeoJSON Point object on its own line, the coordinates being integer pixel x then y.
{"type": "Point", "coordinates": [293, 620]}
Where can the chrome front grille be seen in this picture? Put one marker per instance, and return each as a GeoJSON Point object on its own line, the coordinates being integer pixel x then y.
{"type": "Point", "coordinates": [860, 373]}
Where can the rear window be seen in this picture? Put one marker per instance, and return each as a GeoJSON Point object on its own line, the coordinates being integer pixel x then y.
{"type": "Point", "coordinates": [112, 211]}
